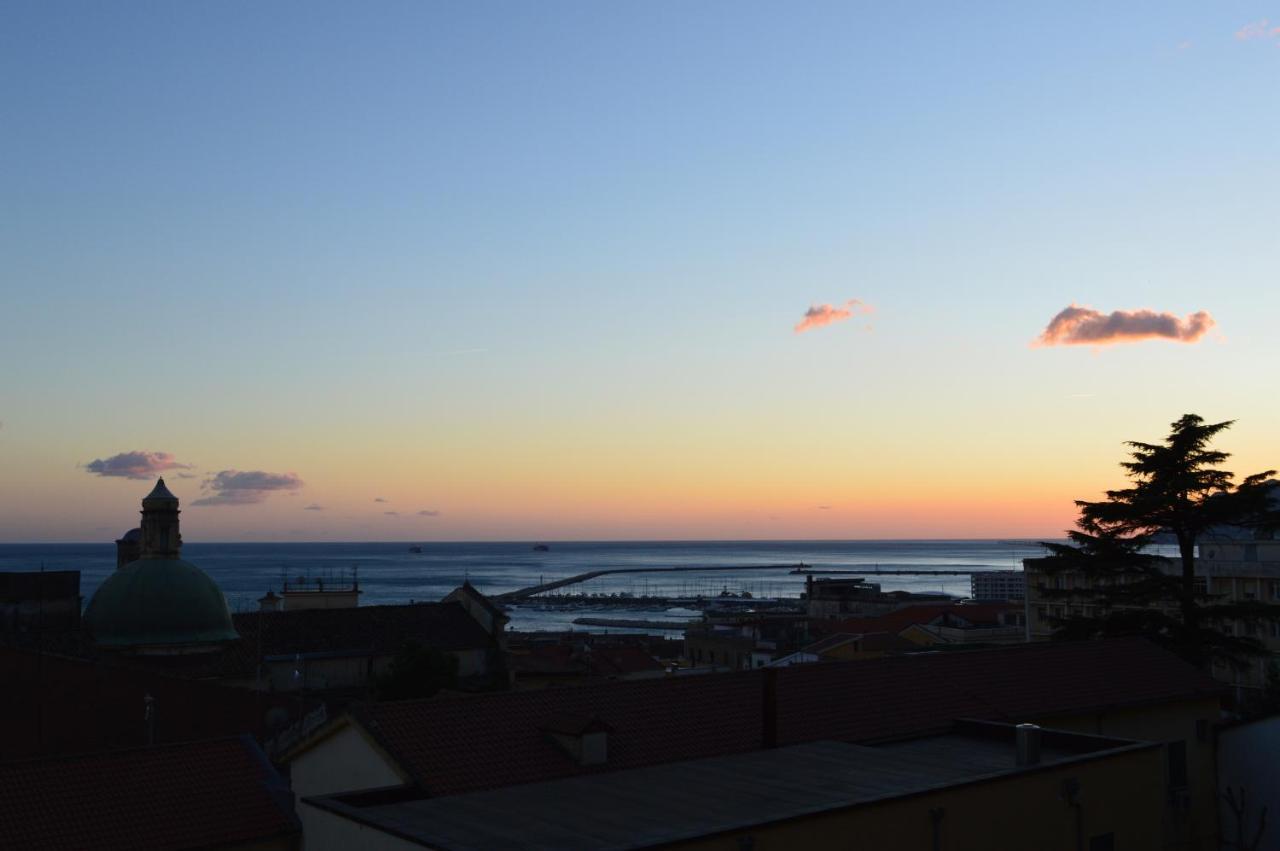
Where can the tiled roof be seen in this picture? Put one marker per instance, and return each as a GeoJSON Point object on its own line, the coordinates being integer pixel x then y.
{"type": "Point", "coordinates": [622, 660]}
{"type": "Point", "coordinates": [456, 745]}
{"type": "Point", "coordinates": [55, 705]}
{"type": "Point", "coordinates": [460, 744]}
{"type": "Point", "coordinates": [900, 619]}
{"type": "Point", "coordinates": [208, 794]}
{"type": "Point", "coordinates": [868, 642]}
{"type": "Point", "coordinates": [488, 605]}
{"type": "Point", "coordinates": [599, 660]}
{"type": "Point", "coordinates": [905, 695]}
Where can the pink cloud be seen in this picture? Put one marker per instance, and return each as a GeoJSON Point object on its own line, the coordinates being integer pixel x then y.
{"type": "Point", "coordinates": [825, 314]}
{"type": "Point", "coordinates": [243, 487]}
{"type": "Point", "coordinates": [1257, 30]}
{"type": "Point", "coordinates": [1084, 326]}
{"type": "Point", "coordinates": [135, 465]}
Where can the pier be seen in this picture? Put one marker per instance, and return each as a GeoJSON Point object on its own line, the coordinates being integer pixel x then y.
{"type": "Point", "coordinates": [800, 569]}
{"type": "Point", "coordinates": [523, 593]}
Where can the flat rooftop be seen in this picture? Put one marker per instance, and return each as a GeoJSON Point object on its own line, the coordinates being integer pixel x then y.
{"type": "Point", "coordinates": [643, 807]}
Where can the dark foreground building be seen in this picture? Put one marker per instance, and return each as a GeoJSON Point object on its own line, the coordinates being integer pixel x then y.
{"type": "Point", "coordinates": [801, 757]}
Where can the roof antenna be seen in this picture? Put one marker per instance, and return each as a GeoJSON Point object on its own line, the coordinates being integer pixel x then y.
{"type": "Point", "coordinates": [149, 716]}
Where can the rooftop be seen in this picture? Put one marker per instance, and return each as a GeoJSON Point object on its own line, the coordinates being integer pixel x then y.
{"type": "Point", "coordinates": [57, 705]}
{"type": "Point", "coordinates": [661, 804]}
{"type": "Point", "coordinates": [195, 795]}
{"type": "Point", "coordinates": [444, 626]}
{"type": "Point", "coordinates": [899, 619]}
{"type": "Point", "coordinates": [19, 586]}
{"type": "Point", "coordinates": [452, 745]}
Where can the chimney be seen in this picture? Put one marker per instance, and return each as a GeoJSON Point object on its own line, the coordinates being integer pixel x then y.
{"type": "Point", "coordinates": [1028, 745]}
{"type": "Point", "coordinates": [584, 740]}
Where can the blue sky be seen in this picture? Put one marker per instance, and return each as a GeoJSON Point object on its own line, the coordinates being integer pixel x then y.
{"type": "Point", "coordinates": [456, 250]}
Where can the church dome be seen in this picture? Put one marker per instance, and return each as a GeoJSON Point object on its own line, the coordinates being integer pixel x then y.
{"type": "Point", "coordinates": [156, 602]}
{"type": "Point", "coordinates": [161, 602]}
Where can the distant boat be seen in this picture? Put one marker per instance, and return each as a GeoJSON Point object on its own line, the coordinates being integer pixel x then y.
{"type": "Point", "coordinates": [540, 548]}
{"type": "Point", "coordinates": [415, 549]}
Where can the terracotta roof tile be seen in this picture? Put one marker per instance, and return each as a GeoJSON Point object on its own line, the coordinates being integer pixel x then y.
{"type": "Point", "coordinates": [195, 795]}
{"type": "Point", "coordinates": [463, 744]}
{"type": "Point", "coordinates": [900, 619]}
{"type": "Point", "coordinates": [54, 705]}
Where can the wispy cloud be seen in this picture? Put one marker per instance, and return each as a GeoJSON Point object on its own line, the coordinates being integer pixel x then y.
{"type": "Point", "coordinates": [392, 513]}
{"type": "Point", "coordinates": [1258, 30]}
{"type": "Point", "coordinates": [426, 513]}
{"type": "Point", "coordinates": [380, 499]}
{"type": "Point", "coordinates": [244, 487]}
{"type": "Point", "coordinates": [1083, 326]}
{"type": "Point", "coordinates": [819, 315]}
{"type": "Point", "coordinates": [314, 507]}
{"type": "Point", "coordinates": [135, 465]}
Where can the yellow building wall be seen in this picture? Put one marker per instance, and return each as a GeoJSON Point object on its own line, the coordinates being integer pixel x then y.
{"type": "Point", "coordinates": [1119, 795]}
{"type": "Point", "coordinates": [345, 761]}
{"type": "Point", "coordinates": [1195, 827]}
{"type": "Point", "coordinates": [326, 831]}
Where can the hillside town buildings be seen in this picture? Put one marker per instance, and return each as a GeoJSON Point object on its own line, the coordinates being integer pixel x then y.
{"type": "Point", "coordinates": [193, 728]}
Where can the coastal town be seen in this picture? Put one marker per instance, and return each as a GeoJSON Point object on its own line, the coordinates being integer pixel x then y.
{"type": "Point", "coordinates": [159, 719]}
{"type": "Point", "coordinates": [725, 425]}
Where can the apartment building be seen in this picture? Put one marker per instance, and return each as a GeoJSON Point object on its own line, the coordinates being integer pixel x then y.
{"type": "Point", "coordinates": [1229, 570]}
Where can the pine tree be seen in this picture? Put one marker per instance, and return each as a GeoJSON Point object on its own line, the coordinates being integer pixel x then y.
{"type": "Point", "coordinates": [1178, 490]}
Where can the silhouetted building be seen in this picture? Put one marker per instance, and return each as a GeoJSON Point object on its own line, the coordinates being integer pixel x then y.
{"type": "Point", "coordinates": [337, 649]}
{"type": "Point", "coordinates": [128, 548]}
{"type": "Point", "coordinates": [197, 795]}
{"type": "Point", "coordinates": [842, 597]}
{"type": "Point", "coordinates": [801, 757]}
{"type": "Point", "coordinates": [306, 592]}
{"type": "Point", "coordinates": [1229, 571]}
{"type": "Point", "coordinates": [998, 585]}
{"type": "Point", "coordinates": [39, 601]}
{"type": "Point", "coordinates": [159, 604]}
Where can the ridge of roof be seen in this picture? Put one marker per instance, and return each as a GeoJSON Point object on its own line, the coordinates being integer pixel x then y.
{"type": "Point", "coordinates": [450, 745]}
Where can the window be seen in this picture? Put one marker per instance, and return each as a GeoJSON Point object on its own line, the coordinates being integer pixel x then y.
{"type": "Point", "coordinates": [1103, 842]}
{"type": "Point", "coordinates": [1250, 552]}
{"type": "Point", "coordinates": [1176, 755]}
{"type": "Point", "coordinates": [1201, 585]}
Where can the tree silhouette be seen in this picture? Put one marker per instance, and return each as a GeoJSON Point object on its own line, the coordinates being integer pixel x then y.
{"type": "Point", "coordinates": [1178, 489]}
{"type": "Point", "coordinates": [417, 671]}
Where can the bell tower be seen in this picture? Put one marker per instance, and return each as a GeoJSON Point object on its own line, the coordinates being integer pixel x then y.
{"type": "Point", "coordinates": [160, 538]}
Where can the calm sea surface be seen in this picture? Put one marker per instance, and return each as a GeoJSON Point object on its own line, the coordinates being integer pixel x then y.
{"type": "Point", "coordinates": [389, 573]}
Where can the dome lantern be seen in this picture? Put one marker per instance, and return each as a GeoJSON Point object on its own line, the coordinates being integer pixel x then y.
{"type": "Point", "coordinates": [159, 603]}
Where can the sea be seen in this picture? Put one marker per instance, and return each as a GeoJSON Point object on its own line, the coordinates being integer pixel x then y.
{"type": "Point", "coordinates": [392, 573]}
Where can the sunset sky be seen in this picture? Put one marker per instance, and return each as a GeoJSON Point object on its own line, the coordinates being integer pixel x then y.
{"type": "Point", "coordinates": [543, 271]}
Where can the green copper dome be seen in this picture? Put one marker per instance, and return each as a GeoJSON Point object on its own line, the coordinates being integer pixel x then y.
{"type": "Point", "coordinates": [156, 602]}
